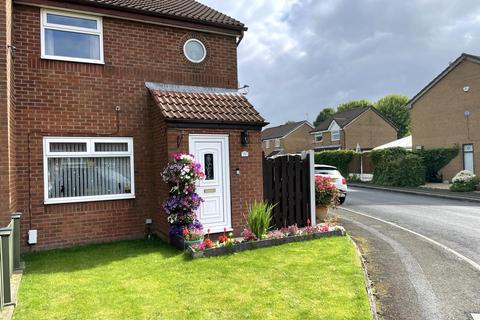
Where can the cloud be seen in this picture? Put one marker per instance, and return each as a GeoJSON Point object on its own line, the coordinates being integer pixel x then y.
{"type": "Point", "coordinates": [300, 56]}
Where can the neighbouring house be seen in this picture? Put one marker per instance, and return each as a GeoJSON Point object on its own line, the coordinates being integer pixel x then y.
{"type": "Point", "coordinates": [363, 128]}
{"type": "Point", "coordinates": [97, 95]}
{"type": "Point", "coordinates": [446, 113]}
{"type": "Point", "coordinates": [292, 137]}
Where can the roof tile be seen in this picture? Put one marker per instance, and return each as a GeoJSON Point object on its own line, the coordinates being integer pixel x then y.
{"type": "Point", "coordinates": [216, 107]}
{"type": "Point", "coordinates": [186, 9]}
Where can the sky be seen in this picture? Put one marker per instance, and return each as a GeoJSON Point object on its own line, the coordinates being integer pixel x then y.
{"type": "Point", "coordinates": [300, 56]}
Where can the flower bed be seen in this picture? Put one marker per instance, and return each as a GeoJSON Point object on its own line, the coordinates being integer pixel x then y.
{"type": "Point", "coordinates": [274, 238]}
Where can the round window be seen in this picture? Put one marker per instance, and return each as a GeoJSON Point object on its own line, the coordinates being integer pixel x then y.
{"type": "Point", "coordinates": [194, 50]}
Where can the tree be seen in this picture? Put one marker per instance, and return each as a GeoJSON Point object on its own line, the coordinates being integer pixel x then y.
{"type": "Point", "coordinates": [394, 108]}
{"type": "Point", "coordinates": [324, 115]}
{"type": "Point", "coordinates": [289, 122]}
{"type": "Point", "coordinates": [353, 104]}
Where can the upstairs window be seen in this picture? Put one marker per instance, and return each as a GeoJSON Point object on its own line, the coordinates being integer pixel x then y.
{"type": "Point", "coordinates": [318, 137]}
{"type": "Point", "coordinates": [71, 37]}
{"type": "Point", "coordinates": [88, 169]}
{"type": "Point", "coordinates": [277, 143]}
{"type": "Point", "coordinates": [335, 135]}
{"type": "Point", "coordinates": [194, 50]}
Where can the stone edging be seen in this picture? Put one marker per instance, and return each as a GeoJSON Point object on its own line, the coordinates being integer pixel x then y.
{"type": "Point", "coordinates": [368, 282]}
{"type": "Point", "coordinates": [417, 192]}
{"type": "Point", "coordinates": [260, 244]}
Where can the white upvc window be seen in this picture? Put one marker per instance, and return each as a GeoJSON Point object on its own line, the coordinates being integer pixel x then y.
{"type": "Point", "coordinates": [277, 143]}
{"type": "Point", "coordinates": [267, 144]}
{"type": "Point", "coordinates": [71, 37]}
{"type": "Point", "coordinates": [318, 137]}
{"type": "Point", "coordinates": [87, 169]}
{"type": "Point", "coordinates": [335, 135]}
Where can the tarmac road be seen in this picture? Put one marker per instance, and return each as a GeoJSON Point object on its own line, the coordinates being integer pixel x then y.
{"type": "Point", "coordinates": [423, 253]}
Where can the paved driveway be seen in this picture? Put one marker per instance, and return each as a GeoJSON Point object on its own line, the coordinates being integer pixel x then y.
{"type": "Point", "coordinates": [423, 253]}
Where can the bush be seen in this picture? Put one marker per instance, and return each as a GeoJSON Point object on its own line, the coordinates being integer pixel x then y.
{"type": "Point", "coordinates": [435, 159]}
{"type": "Point", "coordinates": [406, 170]}
{"type": "Point", "coordinates": [464, 181]}
{"type": "Point", "coordinates": [259, 218]}
{"type": "Point", "coordinates": [386, 155]}
{"type": "Point", "coordinates": [337, 158]}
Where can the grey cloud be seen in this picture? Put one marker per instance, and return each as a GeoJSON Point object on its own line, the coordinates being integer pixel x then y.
{"type": "Point", "coordinates": [301, 56]}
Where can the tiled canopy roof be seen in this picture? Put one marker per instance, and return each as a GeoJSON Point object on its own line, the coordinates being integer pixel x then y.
{"type": "Point", "coordinates": [184, 9]}
{"type": "Point", "coordinates": [206, 107]}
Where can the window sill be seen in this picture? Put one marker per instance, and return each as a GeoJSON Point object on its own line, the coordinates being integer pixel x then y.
{"type": "Point", "coordinates": [88, 199]}
{"type": "Point", "coordinates": [77, 60]}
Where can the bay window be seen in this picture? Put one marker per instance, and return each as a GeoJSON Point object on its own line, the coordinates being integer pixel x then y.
{"type": "Point", "coordinates": [71, 36]}
{"type": "Point", "coordinates": [88, 169]}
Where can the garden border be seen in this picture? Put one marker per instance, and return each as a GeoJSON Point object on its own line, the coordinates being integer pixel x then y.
{"type": "Point", "coordinates": [243, 246]}
{"type": "Point", "coordinates": [368, 282]}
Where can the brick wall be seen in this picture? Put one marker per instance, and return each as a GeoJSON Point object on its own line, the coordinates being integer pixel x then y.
{"type": "Point", "coordinates": [7, 152]}
{"type": "Point", "coordinates": [438, 116]}
{"type": "Point", "coordinates": [369, 130]}
{"type": "Point", "coordinates": [74, 99]}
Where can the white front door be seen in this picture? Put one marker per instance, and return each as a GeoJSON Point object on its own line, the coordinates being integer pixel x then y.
{"type": "Point", "coordinates": [211, 151]}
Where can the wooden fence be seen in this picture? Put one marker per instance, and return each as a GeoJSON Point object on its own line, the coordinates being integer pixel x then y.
{"type": "Point", "coordinates": [286, 183]}
{"type": "Point", "coordinates": [9, 258]}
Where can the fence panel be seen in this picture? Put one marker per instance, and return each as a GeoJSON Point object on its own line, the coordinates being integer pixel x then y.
{"type": "Point", "coordinates": [287, 185]}
{"type": "Point", "coordinates": [9, 258]}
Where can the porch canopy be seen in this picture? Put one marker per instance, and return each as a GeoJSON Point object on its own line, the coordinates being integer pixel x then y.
{"type": "Point", "coordinates": [213, 106]}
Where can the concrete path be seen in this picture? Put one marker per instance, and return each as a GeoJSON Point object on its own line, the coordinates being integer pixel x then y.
{"type": "Point", "coordinates": [423, 253]}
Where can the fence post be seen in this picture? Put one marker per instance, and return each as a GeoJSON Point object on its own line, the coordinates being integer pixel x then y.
{"type": "Point", "coordinates": [16, 240]}
{"type": "Point", "coordinates": [313, 217]}
{"type": "Point", "coordinates": [5, 234]}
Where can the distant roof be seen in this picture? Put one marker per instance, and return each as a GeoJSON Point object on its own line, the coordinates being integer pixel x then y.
{"type": "Point", "coordinates": [188, 10]}
{"type": "Point", "coordinates": [342, 118]}
{"type": "Point", "coordinates": [206, 105]}
{"type": "Point", "coordinates": [451, 66]}
{"type": "Point", "coordinates": [405, 142]}
{"type": "Point", "coordinates": [283, 130]}
{"type": "Point", "coordinates": [345, 117]}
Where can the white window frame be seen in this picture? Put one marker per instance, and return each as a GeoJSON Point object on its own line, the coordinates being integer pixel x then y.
{"type": "Point", "coordinates": [53, 26]}
{"type": "Point", "coordinates": [90, 153]}
{"type": "Point", "coordinates": [277, 143]}
{"type": "Point", "coordinates": [185, 50]}
{"type": "Point", "coordinates": [267, 144]}
{"type": "Point", "coordinates": [335, 133]}
{"type": "Point", "coordinates": [316, 135]}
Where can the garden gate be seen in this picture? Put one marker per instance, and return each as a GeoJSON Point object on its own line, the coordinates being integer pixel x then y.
{"type": "Point", "coordinates": [288, 183]}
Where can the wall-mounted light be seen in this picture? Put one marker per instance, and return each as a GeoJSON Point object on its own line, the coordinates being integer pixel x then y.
{"type": "Point", "coordinates": [244, 138]}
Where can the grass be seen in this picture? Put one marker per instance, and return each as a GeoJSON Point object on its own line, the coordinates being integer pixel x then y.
{"type": "Point", "coordinates": [320, 279]}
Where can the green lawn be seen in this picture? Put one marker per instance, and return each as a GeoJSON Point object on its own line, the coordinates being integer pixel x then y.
{"type": "Point", "coordinates": [320, 279]}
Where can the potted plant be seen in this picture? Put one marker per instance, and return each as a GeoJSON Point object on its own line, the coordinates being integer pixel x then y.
{"type": "Point", "coordinates": [326, 196]}
{"type": "Point", "coordinates": [192, 236]}
{"type": "Point", "coordinates": [182, 175]}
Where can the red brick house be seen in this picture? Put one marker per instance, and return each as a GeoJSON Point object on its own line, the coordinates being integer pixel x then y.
{"type": "Point", "coordinates": [96, 95]}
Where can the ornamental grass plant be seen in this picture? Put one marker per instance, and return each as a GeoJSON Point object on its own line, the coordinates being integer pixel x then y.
{"type": "Point", "coordinates": [259, 218]}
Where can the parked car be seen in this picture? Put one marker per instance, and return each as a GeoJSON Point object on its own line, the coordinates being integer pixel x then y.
{"type": "Point", "coordinates": [335, 177]}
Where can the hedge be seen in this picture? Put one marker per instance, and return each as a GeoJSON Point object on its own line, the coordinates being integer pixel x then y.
{"type": "Point", "coordinates": [435, 159]}
{"type": "Point", "coordinates": [406, 170]}
{"type": "Point", "coordinates": [337, 158]}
